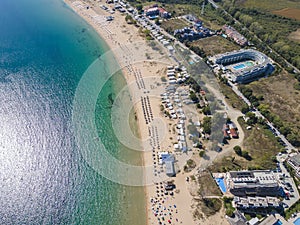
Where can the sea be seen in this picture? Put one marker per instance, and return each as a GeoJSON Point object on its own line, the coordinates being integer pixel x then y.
{"type": "Point", "coordinates": [46, 50]}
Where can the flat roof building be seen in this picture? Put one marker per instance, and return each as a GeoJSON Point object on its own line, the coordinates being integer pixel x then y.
{"type": "Point", "coordinates": [253, 183]}
{"type": "Point", "coordinates": [251, 64]}
{"type": "Point", "coordinates": [256, 202]}
{"type": "Point", "coordinates": [170, 169]}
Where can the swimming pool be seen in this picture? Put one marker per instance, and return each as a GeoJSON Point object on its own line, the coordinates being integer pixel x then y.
{"type": "Point", "coordinates": [278, 222]}
{"type": "Point", "coordinates": [221, 184]}
{"type": "Point", "coordinates": [297, 221]}
{"type": "Point", "coordinates": [239, 66]}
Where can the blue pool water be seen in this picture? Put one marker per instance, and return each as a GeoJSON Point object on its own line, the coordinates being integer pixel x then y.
{"type": "Point", "coordinates": [278, 222]}
{"type": "Point", "coordinates": [239, 66]}
{"type": "Point", "coordinates": [220, 182]}
{"type": "Point", "coordinates": [297, 221]}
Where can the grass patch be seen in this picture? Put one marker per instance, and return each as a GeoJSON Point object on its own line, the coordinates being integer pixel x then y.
{"type": "Point", "coordinates": [231, 98]}
{"type": "Point", "coordinates": [173, 24]}
{"type": "Point", "coordinates": [289, 13]}
{"type": "Point", "coordinates": [281, 98]}
{"type": "Point", "coordinates": [269, 5]}
{"type": "Point", "coordinates": [190, 165]}
{"type": "Point", "coordinates": [207, 185]}
{"type": "Point", "coordinates": [262, 146]}
{"type": "Point", "coordinates": [210, 206]}
{"type": "Point", "coordinates": [229, 209]}
{"type": "Point", "coordinates": [215, 45]}
{"type": "Point", "coordinates": [294, 209]}
{"type": "Point", "coordinates": [183, 9]}
{"type": "Point", "coordinates": [295, 36]}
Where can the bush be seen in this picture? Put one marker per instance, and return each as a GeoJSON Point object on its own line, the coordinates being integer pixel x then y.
{"type": "Point", "coordinates": [206, 110]}
{"type": "Point", "coordinates": [194, 97]}
{"type": "Point", "coordinates": [247, 216]}
{"type": "Point", "coordinates": [245, 109]}
{"type": "Point", "coordinates": [201, 153]}
{"type": "Point", "coordinates": [228, 206]}
{"type": "Point", "coordinates": [238, 150]}
{"type": "Point", "coordinates": [229, 212]}
{"type": "Point", "coordinates": [191, 163]}
{"type": "Point", "coordinates": [163, 79]}
{"type": "Point", "coordinates": [207, 125]}
{"type": "Point", "coordinates": [162, 108]}
{"type": "Point", "coordinates": [246, 155]}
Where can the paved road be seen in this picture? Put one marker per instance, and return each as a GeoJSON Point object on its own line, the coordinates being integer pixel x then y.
{"type": "Point", "coordinates": [213, 4]}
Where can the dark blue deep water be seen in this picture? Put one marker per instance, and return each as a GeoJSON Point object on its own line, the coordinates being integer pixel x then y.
{"type": "Point", "coordinates": [44, 50]}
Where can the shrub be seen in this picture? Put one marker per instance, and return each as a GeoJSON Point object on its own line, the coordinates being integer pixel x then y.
{"type": "Point", "coordinates": [163, 79]}
{"type": "Point", "coordinates": [201, 153]}
{"type": "Point", "coordinates": [238, 150]}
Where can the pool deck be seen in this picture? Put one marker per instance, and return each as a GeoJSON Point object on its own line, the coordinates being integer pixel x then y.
{"type": "Point", "coordinates": [295, 219]}
{"type": "Point", "coordinates": [217, 177]}
{"type": "Point", "coordinates": [272, 219]}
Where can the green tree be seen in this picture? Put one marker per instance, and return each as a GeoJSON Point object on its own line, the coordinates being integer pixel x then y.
{"type": "Point", "coordinates": [194, 97]}
{"type": "Point", "coordinates": [238, 150]}
{"type": "Point", "coordinates": [252, 118]}
{"type": "Point", "coordinates": [139, 7]}
{"type": "Point", "coordinates": [206, 110]}
{"type": "Point", "coordinates": [245, 109]}
{"type": "Point", "coordinates": [229, 212]}
{"type": "Point", "coordinates": [246, 155]}
{"type": "Point", "coordinates": [207, 125]}
{"type": "Point", "coordinates": [201, 153]}
{"type": "Point", "coordinates": [163, 79]}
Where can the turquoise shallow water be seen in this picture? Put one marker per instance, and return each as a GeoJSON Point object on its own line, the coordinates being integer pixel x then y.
{"type": "Point", "coordinates": [45, 48]}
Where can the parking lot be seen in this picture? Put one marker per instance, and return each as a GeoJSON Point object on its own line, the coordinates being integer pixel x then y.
{"type": "Point", "coordinates": [287, 182]}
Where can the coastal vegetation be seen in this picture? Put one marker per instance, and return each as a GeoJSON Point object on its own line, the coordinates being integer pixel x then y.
{"type": "Point", "coordinates": [277, 100]}
{"type": "Point", "coordinates": [259, 143]}
{"type": "Point", "coordinates": [229, 209]}
{"type": "Point", "coordinates": [210, 206]}
{"type": "Point", "coordinates": [231, 98]}
{"type": "Point", "coordinates": [129, 19]}
{"type": "Point", "coordinates": [207, 185]}
{"type": "Point", "coordinates": [146, 34]}
{"type": "Point", "coordinates": [190, 165]}
{"type": "Point", "coordinates": [173, 24]}
{"type": "Point", "coordinates": [214, 45]}
{"type": "Point", "coordinates": [293, 209]}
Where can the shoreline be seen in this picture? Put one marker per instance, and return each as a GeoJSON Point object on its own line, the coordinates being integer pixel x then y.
{"type": "Point", "coordinates": [107, 36]}
{"type": "Point", "coordinates": [143, 66]}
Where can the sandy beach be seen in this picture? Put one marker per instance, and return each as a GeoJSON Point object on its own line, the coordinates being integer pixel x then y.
{"type": "Point", "coordinates": [143, 68]}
